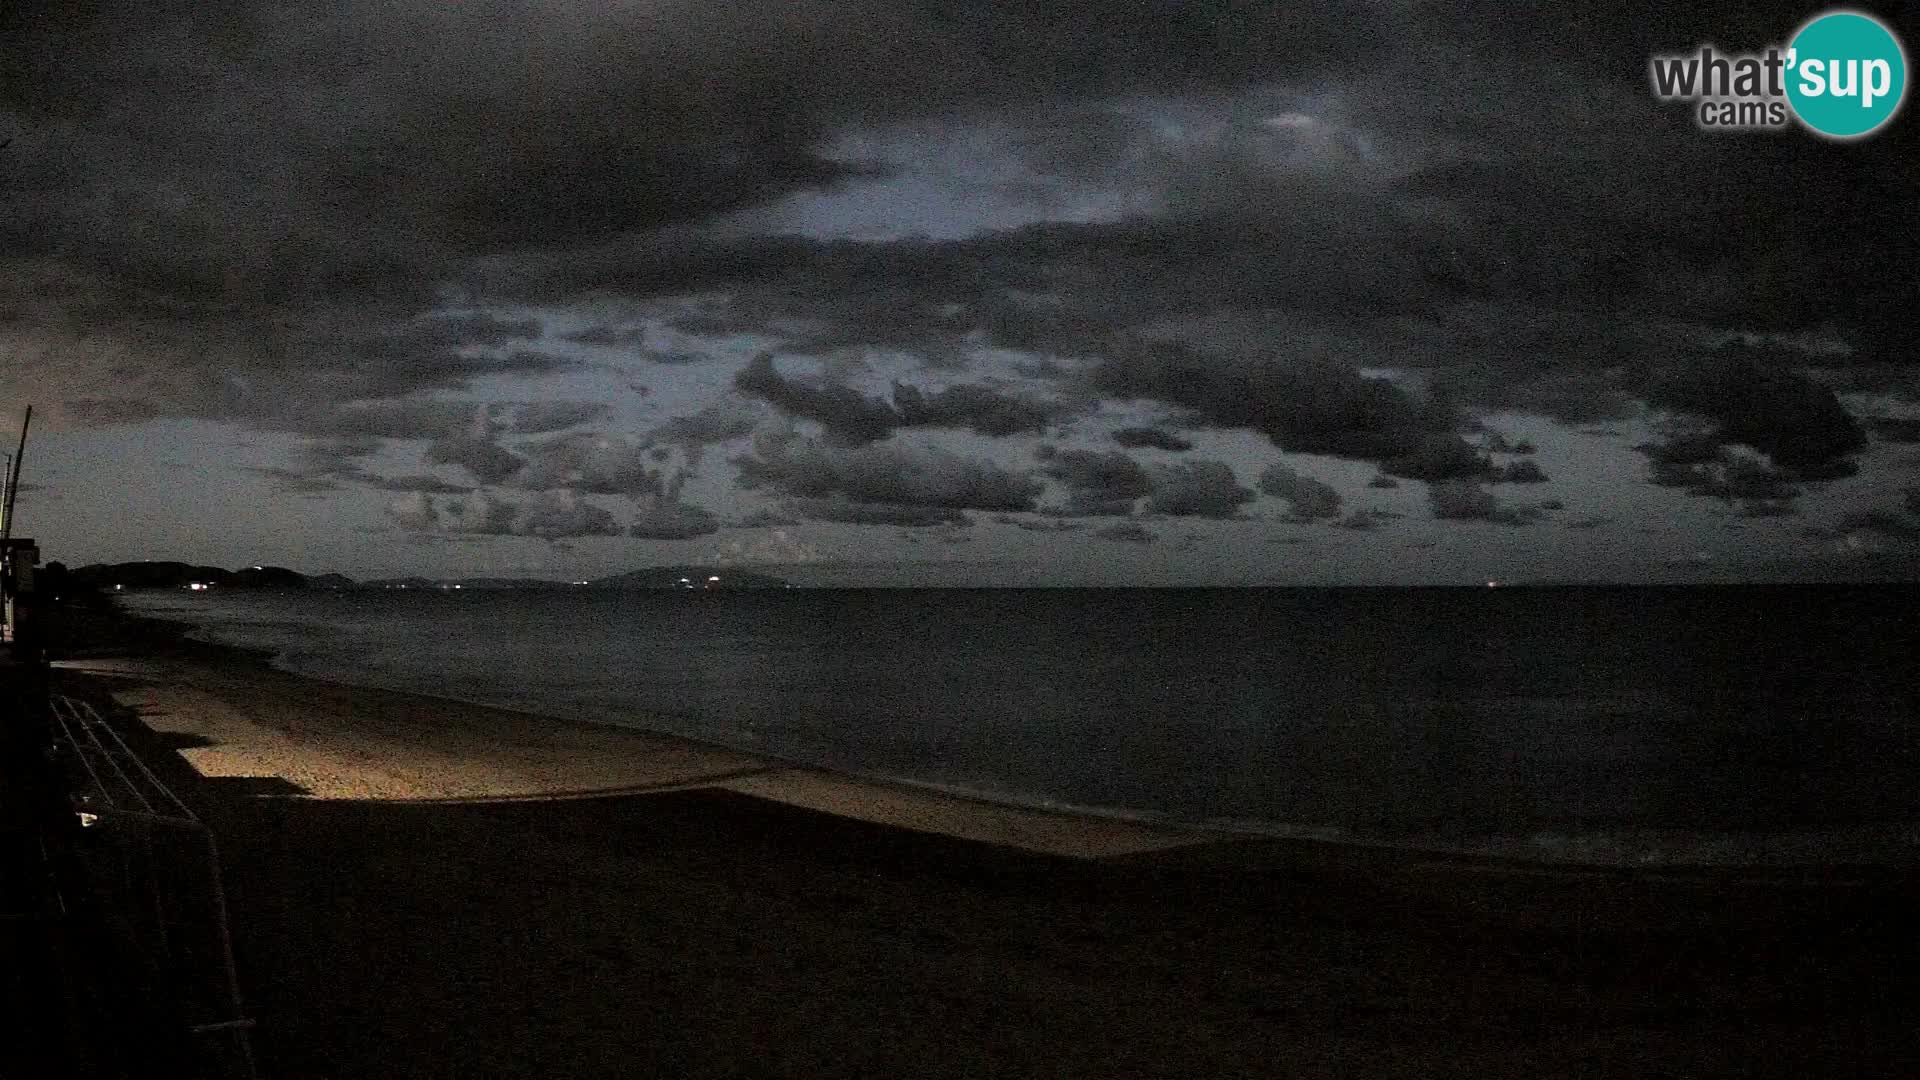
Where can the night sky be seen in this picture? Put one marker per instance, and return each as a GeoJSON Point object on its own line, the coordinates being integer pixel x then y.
{"type": "Point", "coordinates": [949, 293]}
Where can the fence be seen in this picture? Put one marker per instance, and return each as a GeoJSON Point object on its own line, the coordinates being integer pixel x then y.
{"type": "Point", "coordinates": [155, 869]}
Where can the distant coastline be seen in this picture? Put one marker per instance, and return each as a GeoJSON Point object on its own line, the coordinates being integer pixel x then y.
{"type": "Point", "coordinates": [178, 574]}
{"type": "Point", "coordinates": [169, 574]}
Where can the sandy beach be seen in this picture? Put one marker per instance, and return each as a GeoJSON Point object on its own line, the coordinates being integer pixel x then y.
{"type": "Point", "coordinates": [422, 888]}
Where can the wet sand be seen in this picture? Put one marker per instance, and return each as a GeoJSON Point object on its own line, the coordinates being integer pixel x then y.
{"type": "Point", "coordinates": [427, 889]}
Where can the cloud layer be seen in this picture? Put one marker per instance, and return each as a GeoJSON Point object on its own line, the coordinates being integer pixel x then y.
{"type": "Point", "coordinates": [877, 252]}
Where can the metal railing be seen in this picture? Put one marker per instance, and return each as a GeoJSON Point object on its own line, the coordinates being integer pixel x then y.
{"type": "Point", "coordinates": [159, 867]}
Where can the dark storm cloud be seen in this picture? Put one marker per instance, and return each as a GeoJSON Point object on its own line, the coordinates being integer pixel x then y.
{"type": "Point", "coordinates": [1569, 396]}
{"type": "Point", "coordinates": [1883, 524]}
{"type": "Point", "coordinates": [1437, 457]}
{"type": "Point", "coordinates": [332, 464]}
{"type": "Point", "coordinates": [722, 421]}
{"type": "Point", "coordinates": [271, 374]}
{"type": "Point", "coordinates": [1721, 474]}
{"type": "Point", "coordinates": [976, 407]}
{"type": "Point", "coordinates": [108, 411]}
{"type": "Point", "coordinates": [610, 334]}
{"type": "Point", "coordinates": [1520, 472]}
{"type": "Point", "coordinates": [547, 515]}
{"type": "Point", "coordinates": [1039, 524]}
{"type": "Point", "coordinates": [1464, 500]}
{"type": "Point", "coordinates": [1302, 405]}
{"type": "Point", "coordinates": [851, 418]}
{"type": "Point", "coordinates": [255, 170]}
{"type": "Point", "coordinates": [1493, 442]}
{"type": "Point", "coordinates": [1098, 483]}
{"type": "Point", "coordinates": [589, 463]}
{"type": "Point", "coordinates": [663, 518]}
{"type": "Point", "coordinates": [241, 211]}
{"type": "Point", "coordinates": [1795, 421]}
{"type": "Point", "coordinates": [457, 331]}
{"type": "Point", "coordinates": [1337, 259]}
{"type": "Point", "coordinates": [1126, 532]}
{"type": "Point", "coordinates": [1306, 497]}
{"type": "Point", "coordinates": [884, 474]}
{"type": "Point", "coordinates": [635, 339]}
{"type": "Point", "coordinates": [555, 516]}
{"type": "Point", "coordinates": [1360, 417]}
{"type": "Point", "coordinates": [1197, 489]}
{"type": "Point", "coordinates": [1538, 316]}
{"type": "Point", "coordinates": [1363, 520]}
{"type": "Point", "coordinates": [416, 514]}
{"type": "Point", "coordinates": [1536, 180]}
{"type": "Point", "coordinates": [487, 461]}
{"type": "Point", "coordinates": [432, 485]}
{"type": "Point", "coordinates": [333, 456]}
{"type": "Point", "coordinates": [321, 465]}
{"type": "Point", "coordinates": [478, 514]}
{"type": "Point", "coordinates": [290, 482]}
{"type": "Point", "coordinates": [1896, 429]}
{"type": "Point", "coordinates": [1768, 508]}
{"type": "Point", "coordinates": [1683, 447]}
{"type": "Point", "coordinates": [763, 518]}
{"type": "Point", "coordinates": [867, 513]}
{"type": "Point", "coordinates": [543, 417]}
{"type": "Point", "coordinates": [414, 419]}
{"type": "Point", "coordinates": [1134, 438]}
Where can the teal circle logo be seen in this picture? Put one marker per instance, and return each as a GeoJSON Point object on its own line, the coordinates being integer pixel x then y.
{"type": "Point", "coordinates": [1846, 74]}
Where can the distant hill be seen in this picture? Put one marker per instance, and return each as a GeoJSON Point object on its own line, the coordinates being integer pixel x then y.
{"type": "Point", "coordinates": [475, 583]}
{"type": "Point", "coordinates": [689, 577]}
{"type": "Point", "coordinates": [399, 583]}
{"type": "Point", "coordinates": [160, 574]}
{"type": "Point", "coordinates": [510, 583]}
{"type": "Point", "coordinates": [180, 575]}
{"type": "Point", "coordinates": [267, 577]}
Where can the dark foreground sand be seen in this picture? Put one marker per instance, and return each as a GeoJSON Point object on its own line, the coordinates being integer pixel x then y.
{"type": "Point", "coordinates": [423, 889]}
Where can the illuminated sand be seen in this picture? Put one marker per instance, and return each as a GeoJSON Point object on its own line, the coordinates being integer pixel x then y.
{"type": "Point", "coordinates": [334, 742]}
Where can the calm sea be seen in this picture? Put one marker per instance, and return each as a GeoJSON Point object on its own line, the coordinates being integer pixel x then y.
{"type": "Point", "coordinates": [1652, 725]}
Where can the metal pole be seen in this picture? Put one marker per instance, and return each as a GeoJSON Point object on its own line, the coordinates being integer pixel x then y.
{"type": "Point", "coordinates": [13, 479]}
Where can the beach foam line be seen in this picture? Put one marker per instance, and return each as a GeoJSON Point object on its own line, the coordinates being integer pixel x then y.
{"type": "Point", "coordinates": [923, 810]}
{"type": "Point", "coordinates": [664, 787]}
{"type": "Point", "coordinates": [109, 667]}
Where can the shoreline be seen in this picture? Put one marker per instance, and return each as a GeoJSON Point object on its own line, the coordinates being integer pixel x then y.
{"type": "Point", "coordinates": [1877, 848]}
{"type": "Point", "coordinates": [178, 658]}
{"type": "Point", "coordinates": [422, 888]}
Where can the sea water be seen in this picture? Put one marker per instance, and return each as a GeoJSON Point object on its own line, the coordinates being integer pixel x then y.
{"type": "Point", "coordinates": [1710, 724]}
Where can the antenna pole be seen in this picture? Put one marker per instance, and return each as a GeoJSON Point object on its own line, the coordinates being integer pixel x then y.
{"type": "Point", "coordinates": [13, 480]}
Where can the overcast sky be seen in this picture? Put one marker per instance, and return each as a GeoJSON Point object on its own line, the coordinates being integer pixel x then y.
{"type": "Point", "coordinates": [955, 293]}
